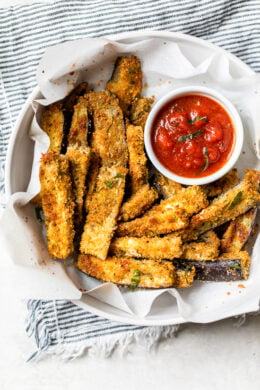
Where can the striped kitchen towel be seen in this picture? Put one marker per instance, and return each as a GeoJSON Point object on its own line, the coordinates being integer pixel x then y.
{"type": "Point", "coordinates": [25, 31]}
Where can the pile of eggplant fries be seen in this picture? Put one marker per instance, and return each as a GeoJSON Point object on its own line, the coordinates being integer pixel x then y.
{"type": "Point", "coordinates": [104, 204]}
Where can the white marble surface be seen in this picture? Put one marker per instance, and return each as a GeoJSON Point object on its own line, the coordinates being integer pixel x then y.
{"type": "Point", "coordinates": [214, 356]}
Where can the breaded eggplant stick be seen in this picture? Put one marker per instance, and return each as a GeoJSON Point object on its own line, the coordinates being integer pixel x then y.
{"type": "Point", "coordinates": [146, 247]}
{"type": "Point", "coordinates": [126, 81]}
{"type": "Point", "coordinates": [108, 139]}
{"type": "Point", "coordinates": [79, 125]}
{"type": "Point", "coordinates": [52, 123]}
{"type": "Point", "coordinates": [57, 204]}
{"type": "Point", "coordinates": [167, 187]}
{"type": "Point", "coordinates": [129, 272]}
{"type": "Point", "coordinates": [226, 207]}
{"type": "Point", "coordinates": [140, 110]}
{"type": "Point", "coordinates": [238, 232]}
{"type": "Point", "coordinates": [79, 158]}
{"type": "Point", "coordinates": [103, 211]}
{"type": "Point", "coordinates": [138, 203]}
{"type": "Point", "coordinates": [137, 159]}
{"type": "Point", "coordinates": [168, 216]}
{"type": "Point", "coordinates": [206, 248]}
{"type": "Point", "coordinates": [91, 181]}
{"type": "Point", "coordinates": [79, 154]}
{"type": "Point", "coordinates": [223, 184]}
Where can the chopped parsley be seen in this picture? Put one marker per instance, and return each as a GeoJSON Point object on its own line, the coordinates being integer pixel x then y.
{"type": "Point", "coordinates": [135, 280]}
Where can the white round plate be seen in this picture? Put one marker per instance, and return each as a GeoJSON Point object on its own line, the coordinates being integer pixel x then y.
{"type": "Point", "coordinates": [18, 165]}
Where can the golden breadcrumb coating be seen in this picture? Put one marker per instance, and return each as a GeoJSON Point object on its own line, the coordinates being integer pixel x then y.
{"type": "Point", "coordinates": [140, 110]}
{"type": "Point", "coordinates": [238, 232]}
{"type": "Point", "coordinates": [138, 203]}
{"type": "Point", "coordinates": [53, 124]}
{"type": "Point", "coordinates": [223, 184]}
{"type": "Point", "coordinates": [57, 204]}
{"type": "Point", "coordinates": [103, 211]}
{"type": "Point", "coordinates": [168, 216]}
{"type": "Point", "coordinates": [137, 159]}
{"type": "Point", "coordinates": [126, 81]}
{"type": "Point", "coordinates": [123, 270]}
{"type": "Point", "coordinates": [146, 247]}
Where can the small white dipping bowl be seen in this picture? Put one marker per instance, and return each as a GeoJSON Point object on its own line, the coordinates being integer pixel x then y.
{"type": "Point", "coordinates": [230, 109]}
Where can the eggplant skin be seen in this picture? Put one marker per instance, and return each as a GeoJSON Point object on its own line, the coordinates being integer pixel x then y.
{"type": "Point", "coordinates": [153, 273]}
{"type": "Point", "coordinates": [228, 267]}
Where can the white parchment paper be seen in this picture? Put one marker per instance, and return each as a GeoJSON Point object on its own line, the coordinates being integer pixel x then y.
{"type": "Point", "coordinates": [165, 67]}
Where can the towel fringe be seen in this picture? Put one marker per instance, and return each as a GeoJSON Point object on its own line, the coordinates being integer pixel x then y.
{"type": "Point", "coordinates": [102, 346]}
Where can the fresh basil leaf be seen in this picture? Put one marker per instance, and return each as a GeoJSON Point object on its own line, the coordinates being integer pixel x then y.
{"type": "Point", "coordinates": [198, 118]}
{"type": "Point", "coordinates": [206, 155]}
{"type": "Point", "coordinates": [190, 136]}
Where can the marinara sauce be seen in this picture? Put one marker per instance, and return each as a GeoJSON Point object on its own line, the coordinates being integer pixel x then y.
{"type": "Point", "coordinates": [193, 136]}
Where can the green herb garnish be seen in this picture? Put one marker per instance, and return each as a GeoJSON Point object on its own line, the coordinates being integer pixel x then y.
{"type": "Point", "coordinates": [38, 213]}
{"type": "Point", "coordinates": [198, 118]}
{"type": "Point", "coordinates": [119, 175]}
{"type": "Point", "coordinates": [109, 184]}
{"type": "Point", "coordinates": [135, 280]}
{"type": "Point", "coordinates": [186, 272]}
{"type": "Point", "coordinates": [237, 266]}
{"type": "Point", "coordinates": [190, 136]}
{"type": "Point", "coordinates": [236, 200]}
{"type": "Point", "coordinates": [206, 155]}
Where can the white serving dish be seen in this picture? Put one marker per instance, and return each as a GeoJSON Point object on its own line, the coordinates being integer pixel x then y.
{"type": "Point", "coordinates": [19, 162]}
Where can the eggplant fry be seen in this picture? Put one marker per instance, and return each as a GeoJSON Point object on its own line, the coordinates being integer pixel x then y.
{"type": "Point", "coordinates": [238, 232]}
{"type": "Point", "coordinates": [138, 203]}
{"type": "Point", "coordinates": [167, 187]}
{"type": "Point", "coordinates": [137, 159]}
{"type": "Point", "coordinates": [206, 248]}
{"type": "Point", "coordinates": [126, 81]}
{"type": "Point", "coordinates": [226, 207]}
{"type": "Point", "coordinates": [146, 247]}
{"type": "Point", "coordinates": [79, 158]}
{"type": "Point", "coordinates": [168, 216]}
{"type": "Point", "coordinates": [228, 267]}
{"type": "Point", "coordinates": [57, 204]}
{"type": "Point", "coordinates": [103, 211]}
{"type": "Point", "coordinates": [79, 125]}
{"type": "Point", "coordinates": [140, 110]}
{"type": "Point", "coordinates": [223, 184]}
{"type": "Point", "coordinates": [53, 124]}
{"type": "Point", "coordinates": [91, 180]}
{"type": "Point", "coordinates": [108, 139]}
{"type": "Point", "coordinates": [130, 272]}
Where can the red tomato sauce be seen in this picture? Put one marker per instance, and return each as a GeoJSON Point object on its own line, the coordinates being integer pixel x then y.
{"type": "Point", "coordinates": [193, 136]}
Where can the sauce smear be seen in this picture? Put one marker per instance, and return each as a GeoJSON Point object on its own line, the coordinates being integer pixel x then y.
{"type": "Point", "coordinates": [193, 136]}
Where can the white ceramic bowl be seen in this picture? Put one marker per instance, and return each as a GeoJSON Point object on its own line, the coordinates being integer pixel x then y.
{"type": "Point", "coordinates": [230, 109]}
